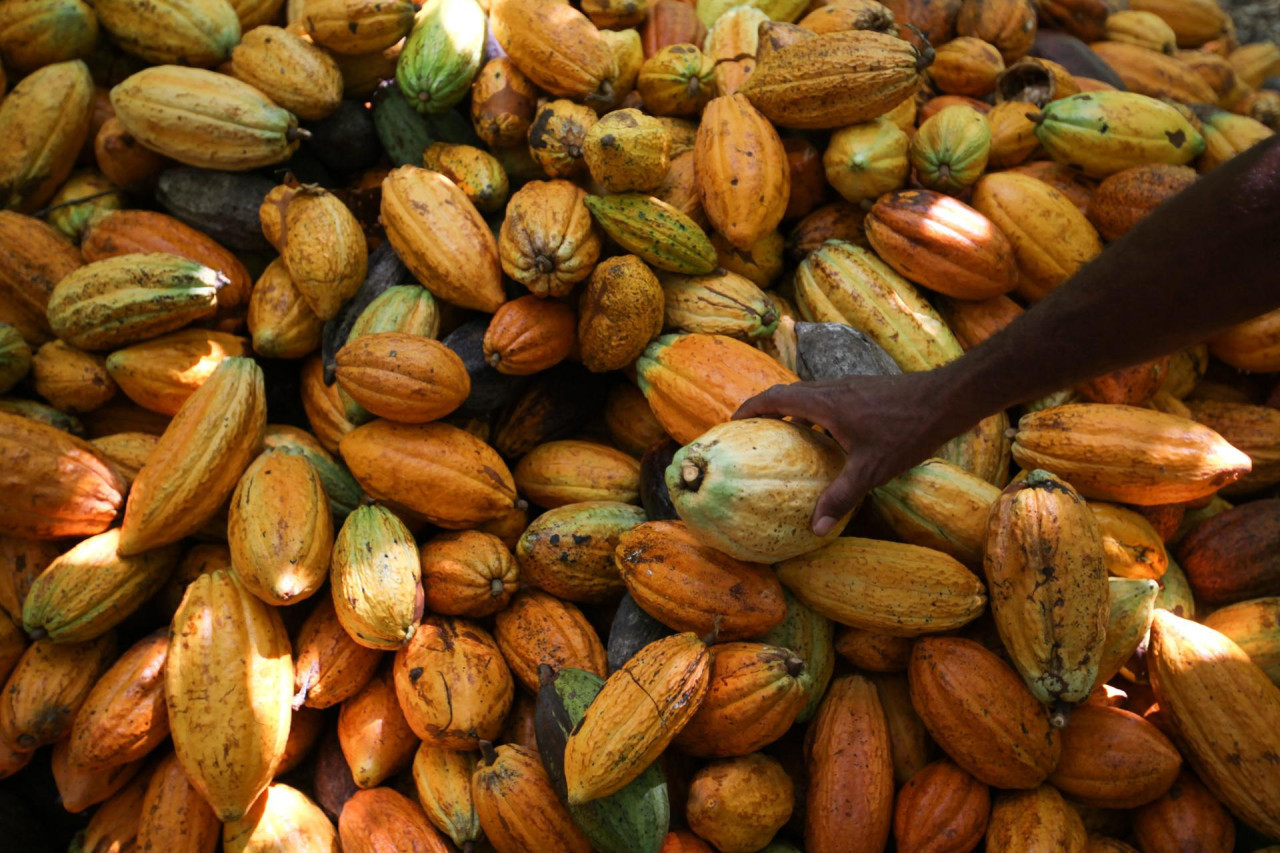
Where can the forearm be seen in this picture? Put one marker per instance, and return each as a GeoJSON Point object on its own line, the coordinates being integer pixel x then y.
{"type": "Point", "coordinates": [1206, 260]}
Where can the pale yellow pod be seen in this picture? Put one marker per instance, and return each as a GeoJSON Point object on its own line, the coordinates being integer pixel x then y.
{"type": "Point", "coordinates": [282, 819]}
{"type": "Point", "coordinates": [43, 123]}
{"type": "Point", "coordinates": [205, 119]}
{"type": "Point", "coordinates": [228, 685]}
{"type": "Point", "coordinates": [186, 32]}
{"type": "Point", "coordinates": [294, 73]}
{"type": "Point", "coordinates": [322, 246]}
{"type": "Point", "coordinates": [375, 573]}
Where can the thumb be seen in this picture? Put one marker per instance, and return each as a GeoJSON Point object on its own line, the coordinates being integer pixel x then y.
{"type": "Point", "coordinates": [838, 499]}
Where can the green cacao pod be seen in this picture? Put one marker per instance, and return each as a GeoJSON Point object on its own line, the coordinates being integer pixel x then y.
{"type": "Point", "coordinates": [442, 54]}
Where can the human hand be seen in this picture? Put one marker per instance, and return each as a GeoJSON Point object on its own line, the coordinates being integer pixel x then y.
{"type": "Point", "coordinates": [885, 424]}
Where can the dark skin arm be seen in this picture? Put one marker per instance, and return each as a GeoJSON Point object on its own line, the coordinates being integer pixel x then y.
{"type": "Point", "coordinates": [1204, 261]}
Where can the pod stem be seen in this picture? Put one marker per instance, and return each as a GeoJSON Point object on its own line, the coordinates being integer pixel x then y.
{"type": "Point", "coordinates": [691, 473]}
{"type": "Point", "coordinates": [1060, 714]}
{"type": "Point", "coordinates": [295, 133]}
{"type": "Point", "coordinates": [487, 753]}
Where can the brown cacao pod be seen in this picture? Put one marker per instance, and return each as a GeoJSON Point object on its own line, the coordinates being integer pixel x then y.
{"type": "Point", "coordinates": [940, 802]}
{"type": "Point", "coordinates": [1037, 819]}
{"type": "Point", "coordinates": [1127, 197]}
{"type": "Point", "coordinates": [1187, 817]}
{"type": "Point", "coordinates": [981, 713]}
{"type": "Point", "coordinates": [1112, 758]}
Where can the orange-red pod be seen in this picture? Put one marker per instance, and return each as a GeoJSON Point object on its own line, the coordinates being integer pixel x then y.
{"type": "Point", "coordinates": [530, 334]}
{"type": "Point", "coordinates": [1124, 199]}
{"type": "Point", "coordinates": [541, 629]}
{"type": "Point", "coordinates": [52, 484]}
{"type": "Point", "coordinates": [671, 22]}
{"type": "Point", "coordinates": [941, 809]}
{"type": "Point", "coordinates": [125, 716]}
{"type": "Point", "coordinates": [122, 158]}
{"type": "Point", "coordinates": [381, 820]}
{"type": "Point", "coordinates": [1188, 817]}
{"type": "Point", "coordinates": [808, 176]}
{"type": "Point", "coordinates": [78, 788]}
{"type": "Point", "coordinates": [942, 243]}
{"type": "Point", "coordinates": [689, 586]}
{"type": "Point", "coordinates": [849, 806]}
{"type": "Point", "coordinates": [974, 322]}
{"type": "Point", "coordinates": [328, 665]}
{"type": "Point", "coordinates": [981, 713]}
{"type": "Point", "coordinates": [1128, 386]}
{"type": "Point", "coordinates": [754, 696]}
{"type": "Point", "coordinates": [1115, 759]}
{"type": "Point", "coordinates": [373, 733]}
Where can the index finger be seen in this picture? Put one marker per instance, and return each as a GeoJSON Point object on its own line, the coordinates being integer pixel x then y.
{"type": "Point", "coordinates": [780, 401]}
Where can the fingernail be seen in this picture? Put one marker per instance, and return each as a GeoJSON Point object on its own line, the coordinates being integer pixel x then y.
{"type": "Point", "coordinates": [824, 525]}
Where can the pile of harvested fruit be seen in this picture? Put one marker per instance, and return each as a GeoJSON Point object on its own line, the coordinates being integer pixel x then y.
{"type": "Point", "coordinates": [367, 477]}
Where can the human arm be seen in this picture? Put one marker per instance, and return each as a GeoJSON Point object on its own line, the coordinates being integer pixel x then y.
{"type": "Point", "coordinates": [1207, 259]}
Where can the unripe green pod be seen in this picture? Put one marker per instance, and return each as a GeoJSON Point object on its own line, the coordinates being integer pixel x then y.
{"type": "Point", "coordinates": [442, 55]}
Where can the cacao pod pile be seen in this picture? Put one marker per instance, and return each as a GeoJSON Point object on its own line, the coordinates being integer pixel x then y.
{"type": "Point", "coordinates": [368, 477]}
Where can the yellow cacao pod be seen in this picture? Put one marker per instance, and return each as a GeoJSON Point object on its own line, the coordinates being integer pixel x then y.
{"type": "Point", "coordinates": [236, 127]}
{"type": "Point", "coordinates": [228, 686]}
{"type": "Point", "coordinates": [199, 459]}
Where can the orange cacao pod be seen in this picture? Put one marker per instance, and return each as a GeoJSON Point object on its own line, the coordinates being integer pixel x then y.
{"type": "Point", "coordinates": [754, 696]}
{"type": "Point", "coordinates": [541, 629]}
{"type": "Point", "coordinates": [375, 736]}
{"type": "Point", "coordinates": [689, 586]}
{"type": "Point", "coordinates": [381, 820]}
{"type": "Point", "coordinates": [940, 809]}
{"type": "Point", "coordinates": [124, 716]}
{"type": "Point", "coordinates": [54, 484]}
{"type": "Point", "coordinates": [742, 170]}
{"type": "Point", "coordinates": [454, 687]}
{"type": "Point", "coordinates": [980, 712]}
{"type": "Point", "coordinates": [849, 805]}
